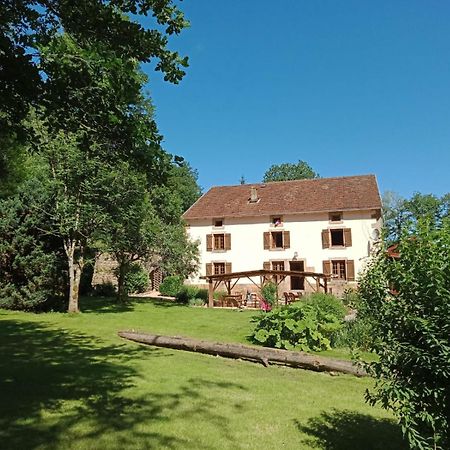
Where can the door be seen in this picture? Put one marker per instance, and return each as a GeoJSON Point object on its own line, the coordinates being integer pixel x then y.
{"type": "Point", "coordinates": [297, 283]}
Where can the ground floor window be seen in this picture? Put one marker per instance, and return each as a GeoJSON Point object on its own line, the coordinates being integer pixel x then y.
{"type": "Point", "coordinates": [338, 269]}
{"type": "Point", "coordinates": [219, 268]}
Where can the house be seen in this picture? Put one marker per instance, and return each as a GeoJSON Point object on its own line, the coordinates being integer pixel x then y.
{"type": "Point", "coordinates": [325, 225]}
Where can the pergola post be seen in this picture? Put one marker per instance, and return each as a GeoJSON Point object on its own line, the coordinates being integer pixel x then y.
{"type": "Point", "coordinates": [210, 294]}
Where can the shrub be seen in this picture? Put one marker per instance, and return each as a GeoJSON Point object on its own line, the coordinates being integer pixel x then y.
{"type": "Point", "coordinates": [171, 285]}
{"type": "Point", "coordinates": [136, 279]}
{"type": "Point", "coordinates": [219, 294]}
{"type": "Point", "coordinates": [187, 293]}
{"type": "Point", "coordinates": [301, 325]}
{"type": "Point", "coordinates": [357, 334]}
{"type": "Point", "coordinates": [104, 290]}
{"type": "Point", "coordinates": [269, 293]}
{"type": "Point", "coordinates": [327, 304]}
{"type": "Point", "coordinates": [197, 302]}
{"type": "Point", "coordinates": [351, 298]}
{"type": "Point", "coordinates": [408, 302]}
{"type": "Point", "coordinates": [203, 294]}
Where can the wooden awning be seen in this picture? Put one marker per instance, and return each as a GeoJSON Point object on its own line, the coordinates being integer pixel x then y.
{"type": "Point", "coordinates": [230, 279]}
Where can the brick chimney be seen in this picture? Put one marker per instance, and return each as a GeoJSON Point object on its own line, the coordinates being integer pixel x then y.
{"type": "Point", "coordinates": [253, 195]}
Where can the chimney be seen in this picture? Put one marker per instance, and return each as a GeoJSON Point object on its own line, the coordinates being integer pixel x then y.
{"type": "Point", "coordinates": [253, 195]}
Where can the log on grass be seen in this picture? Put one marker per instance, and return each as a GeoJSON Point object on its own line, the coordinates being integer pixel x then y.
{"type": "Point", "coordinates": [239, 351]}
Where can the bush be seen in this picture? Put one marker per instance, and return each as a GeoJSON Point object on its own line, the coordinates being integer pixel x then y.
{"type": "Point", "coordinates": [171, 285]}
{"type": "Point", "coordinates": [197, 302]}
{"type": "Point", "coordinates": [301, 325]}
{"type": "Point", "coordinates": [104, 290]}
{"type": "Point", "coordinates": [136, 279]}
{"type": "Point", "coordinates": [187, 293]}
{"type": "Point", "coordinates": [407, 300]}
{"type": "Point", "coordinates": [203, 294]}
{"type": "Point", "coordinates": [327, 304]}
{"type": "Point", "coordinates": [269, 293]}
{"type": "Point", "coordinates": [351, 298]}
{"type": "Point", "coordinates": [356, 334]}
{"type": "Point", "coordinates": [219, 294]}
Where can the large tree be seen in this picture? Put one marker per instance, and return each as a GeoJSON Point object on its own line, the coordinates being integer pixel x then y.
{"type": "Point", "coordinates": [289, 171]}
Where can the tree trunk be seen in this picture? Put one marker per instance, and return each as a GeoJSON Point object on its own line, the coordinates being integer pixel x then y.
{"type": "Point", "coordinates": [75, 268]}
{"type": "Point", "coordinates": [262, 354]}
{"type": "Point", "coordinates": [121, 291]}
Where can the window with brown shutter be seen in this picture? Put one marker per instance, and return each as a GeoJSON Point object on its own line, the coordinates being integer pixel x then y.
{"type": "Point", "coordinates": [219, 268]}
{"type": "Point", "coordinates": [350, 270]}
{"type": "Point", "coordinates": [325, 239]}
{"type": "Point", "coordinates": [347, 237]}
{"type": "Point", "coordinates": [227, 241]}
{"type": "Point", "coordinates": [337, 237]}
{"type": "Point", "coordinates": [327, 267]}
{"type": "Point", "coordinates": [219, 242]}
{"type": "Point", "coordinates": [286, 239]}
{"type": "Point", "coordinates": [277, 239]}
{"type": "Point", "coordinates": [209, 269]}
{"type": "Point", "coordinates": [209, 242]}
{"type": "Point", "coordinates": [339, 269]}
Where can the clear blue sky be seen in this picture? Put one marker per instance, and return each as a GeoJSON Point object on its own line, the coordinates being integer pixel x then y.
{"type": "Point", "coordinates": [351, 87]}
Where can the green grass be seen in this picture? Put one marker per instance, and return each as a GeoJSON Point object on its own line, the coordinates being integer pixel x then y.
{"type": "Point", "coordinates": [69, 382]}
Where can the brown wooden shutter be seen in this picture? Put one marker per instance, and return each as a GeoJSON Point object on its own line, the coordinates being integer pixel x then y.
{"type": "Point", "coordinates": [209, 242]}
{"type": "Point", "coordinates": [347, 237]}
{"type": "Point", "coordinates": [325, 239]}
{"type": "Point", "coordinates": [350, 270]}
{"type": "Point", "coordinates": [227, 241]}
{"type": "Point", "coordinates": [286, 239]}
{"type": "Point", "coordinates": [266, 265]}
{"type": "Point", "coordinates": [228, 267]}
{"type": "Point", "coordinates": [266, 240]}
{"type": "Point", "coordinates": [327, 267]}
{"type": "Point", "coordinates": [209, 269]}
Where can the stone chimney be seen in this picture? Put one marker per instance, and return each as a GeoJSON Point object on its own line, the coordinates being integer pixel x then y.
{"type": "Point", "coordinates": [253, 195]}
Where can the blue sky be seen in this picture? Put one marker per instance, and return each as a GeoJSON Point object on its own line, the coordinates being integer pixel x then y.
{"type": "Point", "coordinates": [351, 87]}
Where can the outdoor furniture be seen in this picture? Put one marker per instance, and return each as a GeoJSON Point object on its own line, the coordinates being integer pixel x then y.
{"type": "Point", "coordinates": [232, 300]}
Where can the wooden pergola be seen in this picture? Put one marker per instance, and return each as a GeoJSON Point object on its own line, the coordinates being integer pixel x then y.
{"type": "Point", "coordinates": [231, 279]}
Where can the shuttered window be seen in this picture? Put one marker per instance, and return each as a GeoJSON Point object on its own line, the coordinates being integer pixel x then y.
{"type": "Point", "coordinates": [277, 240]}
{"type": "Point", "coordinates": [218, 241]}
{"type": "Point", "coordinates": [340, 269]}
{"type": "Point", "coordinates": [337, 237]}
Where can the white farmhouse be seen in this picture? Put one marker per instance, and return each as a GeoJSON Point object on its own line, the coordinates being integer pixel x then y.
{"type": "Point", "coordinates": [325, 225]}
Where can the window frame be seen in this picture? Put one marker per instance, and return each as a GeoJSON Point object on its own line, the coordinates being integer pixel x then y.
{"type": "Point", "coordinates": [273, 240]}
{"type": "Point", "coordinates": [341, 266]}
{"type": "Point", "coordinates": [342, 230]}
{"type": "Point", "coordinates": [217, 264]}
{"type": "Point", "coordinates": [334, 214]}
{"type": "Point", "coordinates": [215, 237]}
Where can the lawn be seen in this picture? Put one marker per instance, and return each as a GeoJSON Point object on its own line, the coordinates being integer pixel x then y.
{"type": "Point", "coordinates": [68, 382]}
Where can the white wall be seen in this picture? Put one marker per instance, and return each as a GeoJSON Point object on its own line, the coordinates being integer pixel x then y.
{"type": "Point", "coordinates": [247, 249]}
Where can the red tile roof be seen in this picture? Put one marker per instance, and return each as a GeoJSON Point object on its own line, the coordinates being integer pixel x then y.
{"type": "Point", "coordinates": [287, 197]}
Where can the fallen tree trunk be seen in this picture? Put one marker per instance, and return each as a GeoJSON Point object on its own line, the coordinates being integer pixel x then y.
{"type": "Point", "coordinates": [240, 351]}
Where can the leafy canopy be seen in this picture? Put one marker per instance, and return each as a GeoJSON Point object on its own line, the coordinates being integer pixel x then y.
{"type": "Point", "coordinates": [289, 171]}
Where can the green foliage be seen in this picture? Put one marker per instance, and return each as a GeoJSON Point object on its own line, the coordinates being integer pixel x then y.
{"type": "Point", "coordinates": [31, 264]}
{"type": "Point", "coordinates": [327, 304]}
{"type": "Point", "coordinates": [196, 302]}
{"type": "Point", "coordinates": [289, 171]}
{"type": "Point", "coordinates": [187, 293]}
{"type": "Point", "coordinates": [408, 302]}
{"type": "Point", "coordinates": [355, 334]}
{"type": "Point", "coordinates": [171, 285]}
{"type": "Point", "coordinates": [269, 293]}
{"type": "Point", "coordinates": [302, 325]}
{"type": "Point", "coordinates": [136, 279]}
{"type": "Point", "coordinates": [104, 290]}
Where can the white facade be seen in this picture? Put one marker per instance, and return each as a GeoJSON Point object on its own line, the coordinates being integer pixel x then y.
{"type": "Point", "coordinates": [247, 250]}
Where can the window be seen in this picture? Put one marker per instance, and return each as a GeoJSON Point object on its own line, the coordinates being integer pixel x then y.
{"type": "Point", "coordinates": [337, 237]}
{"type": "Point", "coordinates": [338, 269]}
{"type": "Point", "coordinates": [218, 223]}
{"type": "Point", "coordinates": [219, 268]}
{"type": "Point", "coordinates": [335, 217]}
{"type": "Point", "coordinates": [277, 265]}
{"type": "Point", "coordinates": [277, 239]}
{"type": "Point", "coordinates": [219, 242]}
{"type": "Point", "coordinates": [277, 221]}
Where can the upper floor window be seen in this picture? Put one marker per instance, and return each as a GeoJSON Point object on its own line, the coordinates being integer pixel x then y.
{"type": "Point", "coordinates": [277, 221]}
{"type": "Point", "coordinates": [276, 240]}
{"type": "Point", "coordinates": [218, 223]}
{"type": "Point", "coordinates": [336, 237]}
{"type": "Point", "coordinates": [218, 241]}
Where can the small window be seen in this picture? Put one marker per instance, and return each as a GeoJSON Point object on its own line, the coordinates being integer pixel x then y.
{"type": "Point", "coordinates": [277, 239]}
{"type": "Point", "coordinates": [338, 269]}
{"type": "Point", "coordinates": [277, 265]}
{"type": "Point", "coordinates": [219, 242]}
{"type": "Point", "coordinates": [335, 217]}
{"type": "Point", "coordinates": [218, 223]}
{"type": "Point", "coordinates": [337, 237]}
{"type": "Point", "coordinates": [219, 268]}
{"type": "Point", "coordinates": [277, 221]}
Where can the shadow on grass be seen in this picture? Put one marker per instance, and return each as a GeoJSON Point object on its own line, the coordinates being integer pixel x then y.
{"type": "Point", "coordinates": [111, 305]}
{"type": "Point", "coordinates": [343, 430]}
{"type": "Point", "coordinates": [57, 385]}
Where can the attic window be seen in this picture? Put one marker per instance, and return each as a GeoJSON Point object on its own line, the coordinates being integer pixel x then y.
{"type": "Point", "coordinates": [335, 217]}
{"type": "Point", "coordinates": [218, 223]}
{"type": "Point", "coordinates": [277, 221]}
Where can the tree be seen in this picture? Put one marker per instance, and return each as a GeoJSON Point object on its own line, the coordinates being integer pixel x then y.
{"type": "Point", "coordinates": [27, 25]}
{"type": "Point", "coordinates": [183, 180]}
{"type": "Point", "coordinates": [289, 171]}
{"type": "Point", "coordinates": [407, 301]}
{"type": "Point", "coordinates": [400, 213]}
